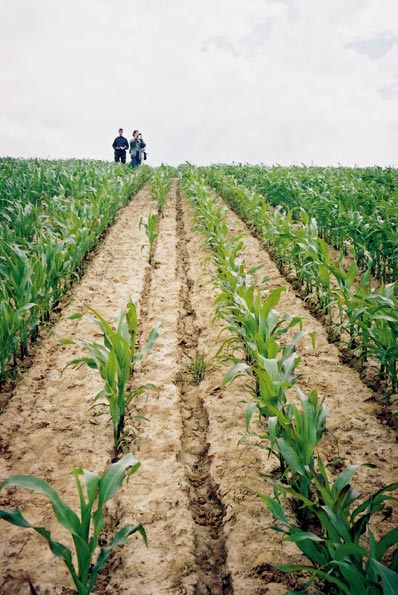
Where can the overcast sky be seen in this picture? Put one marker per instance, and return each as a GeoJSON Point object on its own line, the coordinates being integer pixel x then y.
{"type": "Point", "coordinates": [272, 81]}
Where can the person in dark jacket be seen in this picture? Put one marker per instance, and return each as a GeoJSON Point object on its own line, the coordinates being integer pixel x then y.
{"type": "Point", "coordinates": [120, 146]}
{"type": "Point", "coordinates": [137, 146]}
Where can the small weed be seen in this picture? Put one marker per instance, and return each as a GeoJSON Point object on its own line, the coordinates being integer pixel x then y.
{"type": "Point", "coordinates": [198, 367]}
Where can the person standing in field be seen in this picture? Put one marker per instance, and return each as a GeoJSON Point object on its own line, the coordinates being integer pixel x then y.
{"type": "Point", "coordinates": [120, 146]}
{"type": "Point", "coordinates": [137, 146]}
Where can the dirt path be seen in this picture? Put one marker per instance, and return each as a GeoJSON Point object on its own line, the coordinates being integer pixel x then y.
{"type": "Point", "coordinates": [207, 532]}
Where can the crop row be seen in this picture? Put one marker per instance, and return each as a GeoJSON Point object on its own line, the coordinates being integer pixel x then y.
{"type": "Point", "coordinates": [52, 214]}
{"type": "Point", "coordinates": [355, 209]}
{"type": "Point", "coordinates": [322, 517]}
{"type": "Point", "coordinates": [365, 317]}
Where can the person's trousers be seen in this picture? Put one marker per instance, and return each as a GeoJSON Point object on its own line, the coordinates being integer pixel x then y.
{"type": "Point", "coordinates": [134, 160]}
{"type": "Point", "coordinates": [120, 155]}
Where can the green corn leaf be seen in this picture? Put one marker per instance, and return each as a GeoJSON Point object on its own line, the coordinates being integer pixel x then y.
{"type": "Point", "coordinates": [235, 371]}
{"type": "Point", "coordinates": [350, 549]}
{"type": "Point", "coordinates": [314, 550]}
{"type": "Point", "coordinates": [16, 518]}
{"type": "Point", "coordinates": [272, 300]}
{"type": "Point", "coordinates": [344, 478]}
{"type": "Point", "coordinates": [389, 578]}
{"type": "Point", "coordinates": [91, 481]}
{"type": "Point", "coordinates": [305, 536]}
{"type": "Point", "coordinates": [388, 540]}
{"type": "Point", "coordinates": [272, 430]}
{"type": "Point", "coordinates": [274, 507]}
{"type": "Point", "coordinates": [376, 501]}
{"type": "Point", "coordinates": [75, 316]}
{"type": "Point", "coordinates": [353, 577]}
{"type": "Point", "coordinates": [113, 477]}
{"type": "Point", "coordinates": [338, 525]}
{"type": "Point", "coordinates": [63, 513]}
{"type": "Point", "coordinates": [295, 494]}
{"type": "Point", "coordinates": [250, 409]}
{"type": "Point", "coordinates": [290, 456]}
{"type": "Point", "coordinates": [111, 370]}
{"type": "Point", "coordinates": [91, 363]}
{"type": "Point", "coordinates": [119, 539]}
{"type": "Point", "coordinates": [153, 335]}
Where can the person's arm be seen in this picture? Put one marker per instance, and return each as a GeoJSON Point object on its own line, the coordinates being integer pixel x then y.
{"type": "Point", "coordinates": [142, 144]}
{"type": "Point", "coordinates": [114, 144]}
{"type": "Point", "coordinates": [126, 144]}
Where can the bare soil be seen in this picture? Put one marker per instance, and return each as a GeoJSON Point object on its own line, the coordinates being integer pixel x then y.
{"type": "Point", "coordinates": [208, 532]}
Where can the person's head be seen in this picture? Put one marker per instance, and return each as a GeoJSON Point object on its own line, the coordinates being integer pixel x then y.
{"type": "Point", "coordinates": [135, 133]}
{"type": "Point", "coordinates": [120, 131]}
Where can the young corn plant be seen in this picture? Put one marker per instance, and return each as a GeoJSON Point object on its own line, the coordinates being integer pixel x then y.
{"type": "Point", "coordinates": [115, 360]}
{"type": "Point", "coordinates": [294, 434]}
{"type": "Point", "coordinates": [150, 225]}
{"type": "Point", "coordinates": [342, 550]}
{"type": "Point", "coordinates": [160, 186]}
{"type": "Point", "coordinates": [84, 529]}
{"type": "Point", "coordinates": [378, 326]}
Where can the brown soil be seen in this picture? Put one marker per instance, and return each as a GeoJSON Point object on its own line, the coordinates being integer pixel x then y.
{"type": "Point", "coordinates": [194, 493]}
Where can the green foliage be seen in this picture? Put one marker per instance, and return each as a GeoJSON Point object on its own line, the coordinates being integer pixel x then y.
{"type": "Point", "coordinates": [51, 214]}
{"type": "Point", "coordinates": [150, 225]}
{"type": "Point", "coordinates": [317, 515]}
{"type": "Point", "coordinates": [160, 185]}
{"type": "Point", "coordinates": [351, 306]}
{"type": "Point", "coordinates": [351, 206]}
{"type": "Point", "coordinates": [85, 530]}
{"type": "Point", "coordinates": [115, 359]}
{"type": "Point", "coordinates": [198, 367]}
{"type": "Point", "coordinates": [341, 548]}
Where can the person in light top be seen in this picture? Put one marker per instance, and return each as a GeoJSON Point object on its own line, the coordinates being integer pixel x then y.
{"type": "Point", "coordinates": [137, 146]}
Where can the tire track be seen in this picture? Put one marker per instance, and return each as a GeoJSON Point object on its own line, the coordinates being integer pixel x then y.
{"type": "Point", "coordinates": [207, 509]}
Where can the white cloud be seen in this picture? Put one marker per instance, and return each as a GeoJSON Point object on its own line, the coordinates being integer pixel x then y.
{"type": "Point", "coordinates": [285, 81]}
{"type": "Point", "coordinates": [375, 48]}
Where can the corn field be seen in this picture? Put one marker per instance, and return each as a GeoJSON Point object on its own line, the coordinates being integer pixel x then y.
{"type": "Point", "coordinates": [198, 379]}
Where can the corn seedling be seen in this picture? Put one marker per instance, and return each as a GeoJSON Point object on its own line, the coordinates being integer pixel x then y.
{"type": "Point", "coordinates": [115, 359]}
{"type": "Point", "coordinates": [342, 549]}
{"type": "Point", "coordinates": [85, 530]}
{"type": "Point", "coordinates": [160, 186]}
{"type": "Point", "coordinates": [150, 225]}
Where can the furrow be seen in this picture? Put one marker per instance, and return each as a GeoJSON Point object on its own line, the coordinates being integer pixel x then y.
{"type": "Point", "coordinates": [207, 509]}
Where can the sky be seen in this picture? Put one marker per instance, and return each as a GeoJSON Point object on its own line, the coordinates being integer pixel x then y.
{"type": "Point", "coordinates": [205, 81]}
